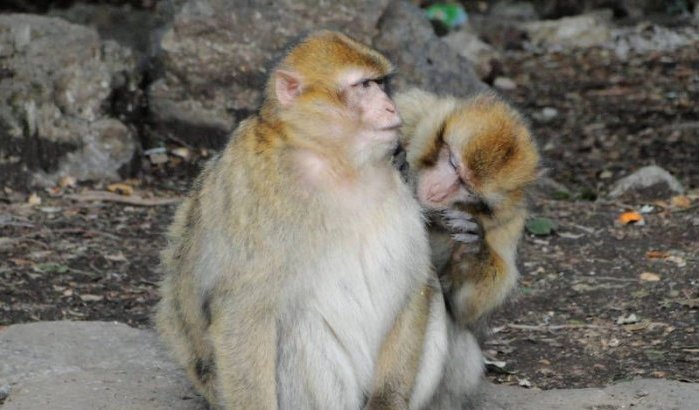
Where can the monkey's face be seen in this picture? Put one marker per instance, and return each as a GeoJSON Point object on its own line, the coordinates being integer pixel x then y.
{"type": "Point", "coordinates": [445, 183]}
{"type": "Point", "coordinates": [365, 97]}
{"type": "Point", "coordinates": [330, 89]}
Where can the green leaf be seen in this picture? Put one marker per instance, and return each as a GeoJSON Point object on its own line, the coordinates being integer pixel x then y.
{"type": "Point", "coordinates": [541, 226]}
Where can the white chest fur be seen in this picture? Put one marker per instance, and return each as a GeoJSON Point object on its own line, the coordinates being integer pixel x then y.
{"type": "Point", "coordinates": [350, 300]}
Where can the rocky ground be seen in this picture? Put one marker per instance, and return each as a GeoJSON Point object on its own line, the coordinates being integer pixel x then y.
{"type": "Point", "coordinates": [600, 302]}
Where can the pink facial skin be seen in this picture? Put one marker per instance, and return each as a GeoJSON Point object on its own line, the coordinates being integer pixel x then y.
{"type": "Point", "coordinates": [376, 109]}
{"type": "Point", "coordinates": [442, 185]}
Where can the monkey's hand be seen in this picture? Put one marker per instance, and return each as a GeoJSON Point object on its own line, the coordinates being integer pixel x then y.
{"type": "Point", "coordinates": [464, 229]}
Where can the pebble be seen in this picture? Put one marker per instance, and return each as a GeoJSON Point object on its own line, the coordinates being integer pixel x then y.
{"type": "Point", "coordinates": [504, 83]}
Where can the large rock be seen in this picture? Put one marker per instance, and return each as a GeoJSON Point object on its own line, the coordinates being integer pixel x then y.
{"type": "Point", "coordinates": [649, 182]}
{"type": "Point", "coordinates": [467, 44]}
{"type": "Point", "coordinates": [59, 86]}
{"type": "Point", "coordinates": [586, 30]}
{"type": "Point", "coordinates": [423, 60]}
{"type": "Point", "coordinates": [129, 26]}
{"type": "Point", "coordinates": [110, 366]}
{"type": "Point", "coordinates": [216, 54]}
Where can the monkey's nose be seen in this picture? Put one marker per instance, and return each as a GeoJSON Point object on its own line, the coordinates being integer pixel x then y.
{"type": "Point", "coordinates": [391, 109]}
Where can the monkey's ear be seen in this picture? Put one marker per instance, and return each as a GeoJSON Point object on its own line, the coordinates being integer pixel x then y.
{"type": "Point", "coordinates": [287, 86]}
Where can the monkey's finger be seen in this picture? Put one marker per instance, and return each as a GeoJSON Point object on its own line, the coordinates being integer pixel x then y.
{"type": "Point", "coordinates": [451, 214]}
{"type": "Point", "coordinates": [462, 225]}
{"type": "Point", "coordinates": [466, 237]}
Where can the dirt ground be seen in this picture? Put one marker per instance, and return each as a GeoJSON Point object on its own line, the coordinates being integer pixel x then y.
{"type": "Point", "coordinates": [599, 302]}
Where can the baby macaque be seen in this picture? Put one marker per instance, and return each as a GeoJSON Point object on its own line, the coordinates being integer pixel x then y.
{"type": "Point", "coordinates": [471, 162]}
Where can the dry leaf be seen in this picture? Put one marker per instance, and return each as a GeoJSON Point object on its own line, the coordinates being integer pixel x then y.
{"type": "Point", "coordinates": [646, 209]}
{"type": "Point", "coordinates": [34, 199]}
{"type": "Point", "coordinates": [677, 260]}
{"type": "Point", "coordinates": [630, 217]}
{"type": "Point", "coordinates": [121, 189]}
{"type": "Point", "coordinates": [650, 277]}
{"type": "Point", "coordinates": [657, 254]}
{"type": "Point", "coordinates": [21, 262]}
{"type": "Point", "coordinates": [67, 181]}
{"type": "Point", "coordinates": [635, 327]}
{"type": "Point", "coordinates": [681, 201]}
{"type": "Point", "coordinates": [181, 152]}
{"type": "Point", "coordinates": [524, 383]}
{"type": "Point", "coordinates": [632, 318]}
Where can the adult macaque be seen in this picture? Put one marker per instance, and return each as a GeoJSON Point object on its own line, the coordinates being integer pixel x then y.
{"type": "Point", "coordinates": [471, 162]}
{"type": "Point", "coordinates": [297, 274]}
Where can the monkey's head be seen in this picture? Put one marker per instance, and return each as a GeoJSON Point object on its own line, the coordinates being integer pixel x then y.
{"type": "Point", "coordinates": [330, 89]}
{"type": "Point", "coordinates": [476, 153]}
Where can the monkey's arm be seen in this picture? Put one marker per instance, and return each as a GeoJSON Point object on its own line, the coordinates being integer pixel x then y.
{"type": "Point", "coordinates": [245, 356]}
{"type": "Point", "coordinates": [475, 283]}
{"type": "Point", "coordinates": [401, 354]}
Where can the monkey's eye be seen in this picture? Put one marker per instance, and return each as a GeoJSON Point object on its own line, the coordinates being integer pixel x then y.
{"type": "Point", "coordinates": [367, 83]}
{"type": "Point", "coordinates": [381, 82]}
{"type": "Point", "coordinates": [452, 161]}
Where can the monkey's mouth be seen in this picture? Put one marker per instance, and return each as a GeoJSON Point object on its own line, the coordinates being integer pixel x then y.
{"type": "Point", "coordinates": [394, 127]}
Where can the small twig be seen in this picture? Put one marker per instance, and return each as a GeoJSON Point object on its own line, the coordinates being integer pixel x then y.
{"type": "Point", "coordinates": [129, 200]}
{"type": "Point", "coordinates": [23, 238]}
{"type": "Point", "coordinates": [611, 278]}
{"type": "Point", "coordinates": [583, 228]}
{"type": "Point", "coordinates": [689, 208]}
{"type": "Point", "coordinates": [86, 232]}
{"type": "Point", "coordinates": [180, 141]}
{"type": "Point", "coordinates": [17, 224]}
{"type": "Point", "coordinates": [687, 125]}
{"type": "Point", "coordinates": [547, 328]}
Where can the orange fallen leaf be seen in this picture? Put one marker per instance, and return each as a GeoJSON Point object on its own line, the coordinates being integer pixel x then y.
{"type": "Point", "coordinates": [630, 217]}
{"type": "Point", "coordinates": [67, 181]}
{"type": "Point", "coordinates": [649, 277]}
{"type": "Point", "coordinates": [681, 201]}
{"type": "Point", "coordinates": [657, 254]}
{"type": "Point", "coordinates": [121, 189]}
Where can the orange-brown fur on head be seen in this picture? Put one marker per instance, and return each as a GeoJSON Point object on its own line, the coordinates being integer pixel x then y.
{"type": "Point", "coordinates": [490, 139]}
{"type": "Point", "coordinates": [499, 151]}
{"type": "Point", "coordinates": [338, 53]}
{"type": "Point", "coordinates": [308, 100]}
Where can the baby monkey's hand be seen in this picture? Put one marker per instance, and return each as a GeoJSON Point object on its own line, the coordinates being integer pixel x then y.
{"type": "Point", "coordinates": [464, 229]}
